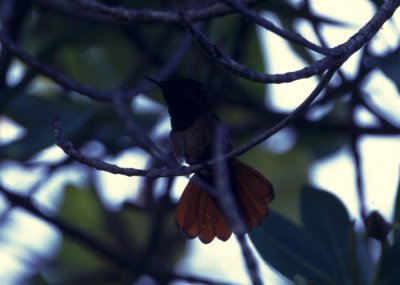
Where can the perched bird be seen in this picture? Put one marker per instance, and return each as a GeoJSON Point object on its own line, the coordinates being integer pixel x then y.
{"type": "Point", "coordinates": [192, 137]}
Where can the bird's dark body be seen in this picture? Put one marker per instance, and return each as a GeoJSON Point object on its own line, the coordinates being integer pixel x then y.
{"type": "Point", "coordinates": [192, 137]}
{"type": "Point", "coordinates": [195, 143]}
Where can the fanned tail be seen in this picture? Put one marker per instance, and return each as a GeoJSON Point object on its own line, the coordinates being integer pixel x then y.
{"type": "Point", "coordinates": [197, 214]}
{"type": "Point", "coordinates": [253, 190]}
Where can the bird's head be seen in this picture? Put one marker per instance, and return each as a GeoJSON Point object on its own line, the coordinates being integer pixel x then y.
{"type": "Point", "coordinates": [186, 100]}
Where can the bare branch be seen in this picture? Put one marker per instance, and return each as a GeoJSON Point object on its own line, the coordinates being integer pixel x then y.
{"type": "Point", "coordinates": [68, 148]}
{"type": "Point", "coordinates": [84, 89]}
{"type": "Point", "coordinates": [141, 138]}
{"type": "Point", "coordinates": [70, 230]}
{"type": "Point", "coordinates": [346, 49]}
{"type": "Point", "coordinates": [268, 25]}
{"type": "Point", "coordinates": [229, 207]}
{"type": "Point", "coordinates": [51, 72]}
{"type": "Point", "coordinates": [151, 15]}
{"type": "Point", "coordinates": [95, 244]}
{"type": "Point", "coordinates": [222, 190]}
{"type": "Point", "coordinates": [300, 110]}
{"type": "Point", "coordinates": [343, 51]}
{"type": "Point", "coordinates": [250, 260]}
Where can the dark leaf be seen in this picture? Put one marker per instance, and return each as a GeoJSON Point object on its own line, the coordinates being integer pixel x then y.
{"type": "Point", "coordinates": [293, 251]}
{"type": "Point", "coordinates": [327, 219]}
{"type": "Point", "coordinates": [36, 114]}
{"type": "Point", "coordinates": [389, 273]}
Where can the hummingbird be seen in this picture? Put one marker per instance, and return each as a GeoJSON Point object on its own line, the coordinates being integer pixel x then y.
{"type": "Point", "coordinates": [192, 137]}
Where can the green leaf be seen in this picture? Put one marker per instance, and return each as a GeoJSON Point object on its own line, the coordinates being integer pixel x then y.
{"type": "Point", "coordinates": [275, 168]}
{"type": "Point", "coordinates": [293, 251]}
{"type": "Point", "coordinates": [152, 240]}
{"type": "Point", "coordinates": [327, 219]}
{"type": "Point", "coordinates": [82, 208]}
{"type": "Point", "coordinates": [102, 63]}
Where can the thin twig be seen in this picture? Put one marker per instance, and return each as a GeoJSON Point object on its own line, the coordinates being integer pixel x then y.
{"type": "Point", "coordinates": [140, 137]}
{"type": "Point", "coordinates": [229, 207]}
{"type": "Point", "coordinates": [84, 89]}
{"type": "Point", "coordinates": [69, 149]}
{"type": "Point", "coordinates": [220, 57]}
{"type": "Point", "coordinates": [152, 15]}
{"type": "Point", "coordinates": [268, 25]}
{"type": "Point", "coordinates": [98, 246]}
{"type": "Point", "coordinates": [345, 50]}
{"type": "Point", "coordinates": [300, 110]}
{"type": "Point", "coordinates": [90, 242]}
{"type": "Point", "coordinates": [51, 72]}
{"type": "Point", "coordinates": [166, 70]}
{"type": "Point", "coordinates": [250, 260]}
{"type": "Point", "coordinates": [222, 191]}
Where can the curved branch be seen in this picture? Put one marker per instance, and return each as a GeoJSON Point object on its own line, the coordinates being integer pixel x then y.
{"type": "Point", "coordinates": [85, 89]}
{"type": "Point", "coordinates": [300, 110]}
{"type": "Point", "coordinates": [319, 66]}
{"type": "Point", "coordinates": [89, 241]}
{"type": "Point", "coordinates": [152, 15]}
{"type": "Point", "coordinates": [268, 25]}
{"type": "Point", "coordinates": [69, 149]}
{"type": "Point", "coordinates": [218, 9]}
{"type": "Point", "coordinates": [218, 56]}
{"type": "Point", "coordinates": [344, 51]}
{"type": "Point", "coordinates": [96, 245]}
{"type": "Point", "coordinates": [51, 72]}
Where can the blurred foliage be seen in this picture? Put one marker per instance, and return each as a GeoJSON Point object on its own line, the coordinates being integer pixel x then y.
{"type": "Point", "coordinates": [327, 248]}
{"type": "Point", "coordinates": [308, 236]}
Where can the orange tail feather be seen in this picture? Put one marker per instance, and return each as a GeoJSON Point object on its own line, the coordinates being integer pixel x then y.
{"type": "Point", "coordinates": [254, 192]}
{"type": "Point", "coordinates": [198, 216]}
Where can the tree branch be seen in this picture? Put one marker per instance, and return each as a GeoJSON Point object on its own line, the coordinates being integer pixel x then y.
{"type": "Point", "coordinates": [68, 148]}
{"type": "Point", "coordinates": [98, 246]}
{"type": "Point", "coordinates": [268, 25]}
{"type": "Point", "coordinates": [84, 89]}
{"type": "Point", "coordinates": [152, 15]}
{"type": "Point", "coordinates": [68, 229]}
{"type": "Point", "coordinates": [342, 52]}
{"type": "Point", "coordinates": [51, 72]}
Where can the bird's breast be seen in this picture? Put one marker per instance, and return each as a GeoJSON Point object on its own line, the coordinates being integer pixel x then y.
{"type": "Point", "coordinates": [195, 144]}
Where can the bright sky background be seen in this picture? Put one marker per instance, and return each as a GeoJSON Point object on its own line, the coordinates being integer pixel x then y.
{"type": "Point", "coordinates": [380, 157]}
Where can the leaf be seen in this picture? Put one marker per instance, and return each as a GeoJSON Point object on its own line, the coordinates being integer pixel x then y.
{"type": "Point", "coordinates": [275, 168]}
{"type": "Point", "coordinates": [293, 251]}
{"type": "Point", "coordinates": [155, 239]}
{"type": "Point", "coordinates": [101, 64]}
{"type": "Point", "coordinates": [36, 114]}
{"type": "Point", "coordinates": [321, 146]}
{"type": "Point", "coordinates": [361, 263]}
{"type": "Point", "coordinates": [389, 273]}
{"type": "Point", "coordinates": [82, 208]}
{"type": "Point", "coordinates": [327, 219]}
